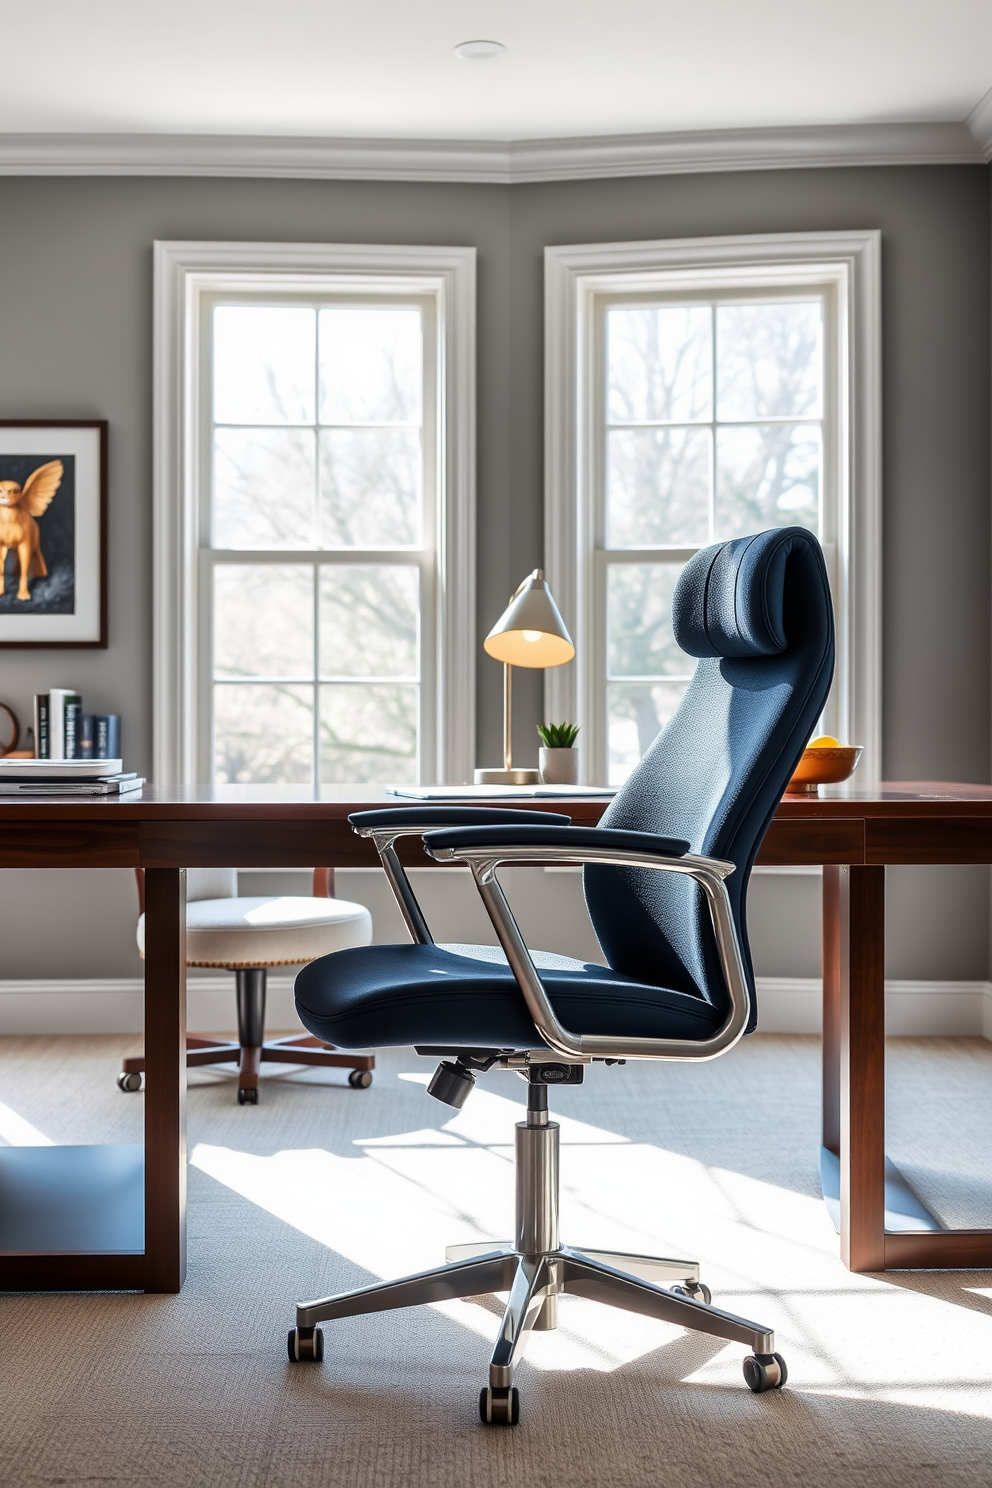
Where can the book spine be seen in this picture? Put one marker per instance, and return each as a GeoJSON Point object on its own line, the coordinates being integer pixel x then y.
{"type": "Point", "coordinates": [73, 709]}
{"type": "Point", "coordinates": [106, 736]}
{"type": "Point", "coordinates": [56, 723]}
{"type": "Point", "coordinates": [85, 740]}
{"type": "Point", "coordinates": [42, 719]}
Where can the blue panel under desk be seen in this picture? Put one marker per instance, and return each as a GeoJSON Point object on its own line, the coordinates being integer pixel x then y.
{"type": "Point", "coordinates": [72, 1200]}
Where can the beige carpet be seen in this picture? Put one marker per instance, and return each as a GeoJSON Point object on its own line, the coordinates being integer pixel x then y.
{"type": "Point", "coordinates": [321, 1187]}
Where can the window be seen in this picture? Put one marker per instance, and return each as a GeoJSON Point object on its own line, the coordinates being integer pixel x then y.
{"type": "Point", "coordinates": [698, 392]}
{"type": "Point", "coordinates": [711, 426]}
{"type": "Point", "coordinates": [318, 554]}
{"type": "Point", "coordinates": [322, 453]}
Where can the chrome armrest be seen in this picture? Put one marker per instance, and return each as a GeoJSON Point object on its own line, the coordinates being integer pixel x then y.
{"type": "Point", "coordinates": [385, 839]}
{"type": "Point", "coordinates": [386, 827]}
{"type": "Point", "coordinates": [708, 872]}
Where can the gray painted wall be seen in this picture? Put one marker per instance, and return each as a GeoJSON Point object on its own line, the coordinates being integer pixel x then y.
{"type": "Point", "coordinates": [75, 341]}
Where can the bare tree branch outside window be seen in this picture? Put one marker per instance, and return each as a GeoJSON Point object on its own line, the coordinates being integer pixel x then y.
{"type": "Point", "coordinates": [317, 450]}
{"type": "Point", "coordinates": [713, 430]}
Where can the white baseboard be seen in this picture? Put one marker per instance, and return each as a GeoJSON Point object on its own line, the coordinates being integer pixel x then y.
{"type": "Point", "coordinates": [912, 1009]}
{"type": "Point", "coordinates": [117, 1006]}
{"type": "Point", "coordinates": [785, 1005]}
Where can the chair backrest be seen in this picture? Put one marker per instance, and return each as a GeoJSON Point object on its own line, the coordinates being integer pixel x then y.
{"type": "Point", "coordinates": [757, 613]}
{"type": "Point", "coordinates": [211, 883]}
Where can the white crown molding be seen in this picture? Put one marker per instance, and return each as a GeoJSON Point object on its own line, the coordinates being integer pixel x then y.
{"type": "Point", "coordinates": [797, 148]}
{"type": "Point", "coordinates": [500, 162]}
{"type": "Point", "coordinates": [979, 123]}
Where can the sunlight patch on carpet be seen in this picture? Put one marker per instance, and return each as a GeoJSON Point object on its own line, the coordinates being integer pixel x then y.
{"type": "Point", "coordinates": [768, 1252]}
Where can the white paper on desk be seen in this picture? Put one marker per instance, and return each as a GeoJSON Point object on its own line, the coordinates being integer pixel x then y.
{"type": "Point", "coordinates": [46, 769]}
{"type": "Point", "coordinates": [495, 792]}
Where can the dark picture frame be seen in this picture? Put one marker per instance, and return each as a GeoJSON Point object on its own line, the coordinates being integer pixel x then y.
{"type": "Point", "coordinates": [53, 508]}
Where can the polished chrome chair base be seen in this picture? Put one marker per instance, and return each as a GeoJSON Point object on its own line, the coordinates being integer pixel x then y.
{"type": "Point", "coordinates": [535, 1269]}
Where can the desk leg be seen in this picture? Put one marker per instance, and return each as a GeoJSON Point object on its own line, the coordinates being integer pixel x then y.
{"type": "Point", "coordinates": [165, 1079]}
{"type": "Point", "coordinates": [831, 1010]}
{"type": "Point", "coordinates": [861, 916]}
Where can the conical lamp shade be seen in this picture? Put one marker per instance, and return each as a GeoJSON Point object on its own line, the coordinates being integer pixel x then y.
{"type": "Point", "coordinates": [530, 632]}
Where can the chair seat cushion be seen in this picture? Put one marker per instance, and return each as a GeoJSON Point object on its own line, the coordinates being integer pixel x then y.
{"type": "Point", "coordinates": [464, 996]}
{"type": "Point", "coordinates": [282, 931]}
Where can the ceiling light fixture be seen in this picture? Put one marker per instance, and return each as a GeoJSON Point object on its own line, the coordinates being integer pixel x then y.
{"type": "Point", "coordinates": [479, 51]}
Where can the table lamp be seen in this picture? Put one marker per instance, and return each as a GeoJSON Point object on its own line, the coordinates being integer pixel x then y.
{"type": "Point", "coordinates": [529, 633]}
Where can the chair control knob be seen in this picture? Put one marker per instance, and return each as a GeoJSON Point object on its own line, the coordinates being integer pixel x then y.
{"type": "Point", "coordinates": [451, 1083]}
{"type": "Point", "coordinates": [556, 1074]}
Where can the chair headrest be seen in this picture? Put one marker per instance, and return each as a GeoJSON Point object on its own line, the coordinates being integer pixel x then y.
{"type": "Point", "coordinates": [729, 599]}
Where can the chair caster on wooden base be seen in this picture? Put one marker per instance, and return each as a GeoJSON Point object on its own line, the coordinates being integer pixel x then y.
{"type": "Point", "coordinates": [252, 1049]}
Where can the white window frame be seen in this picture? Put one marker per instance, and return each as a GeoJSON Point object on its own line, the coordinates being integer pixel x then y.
{"type": "Point", "coordinates": [576, 277]}
{"type": "Point", "coordinates": [185, 272]}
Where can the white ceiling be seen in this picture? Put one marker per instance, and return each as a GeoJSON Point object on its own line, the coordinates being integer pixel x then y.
{"type": "Point", "coordinates": [385, 69]}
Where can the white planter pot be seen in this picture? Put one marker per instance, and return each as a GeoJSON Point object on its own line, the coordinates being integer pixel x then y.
{"type": "Point", "coordinates": [559, 766]}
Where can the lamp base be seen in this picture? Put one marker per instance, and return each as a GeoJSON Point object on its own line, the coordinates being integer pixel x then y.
{"type": "Point", "coordinates": [507, 777]}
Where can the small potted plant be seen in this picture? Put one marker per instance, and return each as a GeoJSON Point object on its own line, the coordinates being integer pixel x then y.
{"type": "Point", "coordinates": [559, 758]}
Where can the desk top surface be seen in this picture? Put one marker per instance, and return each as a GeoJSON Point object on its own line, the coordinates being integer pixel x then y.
{"type": "Point", "coordinates": [267, 802]}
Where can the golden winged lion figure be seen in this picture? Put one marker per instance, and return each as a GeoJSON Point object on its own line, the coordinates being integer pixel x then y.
{"type": "Point", "coordinates": [19, 505]}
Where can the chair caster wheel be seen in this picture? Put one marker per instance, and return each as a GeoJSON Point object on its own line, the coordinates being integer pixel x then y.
{"type": "Point", "coordinates": [499, 1407]}
{"type": "Point", "coordinates": [128, 1083]}
{"type": "Point", "coordinates": [305, 1345]}
{"type": "Point", "coordinates": [697, 1290]}
{"type": "Point", "coordinates": [765, 1372]}
{"type": "Point", "coordinates": [360, 1079]}
{"type": "Point", "coordinates": [248, 1097]}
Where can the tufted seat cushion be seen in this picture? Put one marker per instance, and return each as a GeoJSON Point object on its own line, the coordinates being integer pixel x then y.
{"type": "Point", "coordinates": [281, 931]}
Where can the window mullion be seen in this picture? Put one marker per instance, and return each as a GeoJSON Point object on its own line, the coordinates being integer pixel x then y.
{"type": "Point", "coordinates": [713, 422]}
{"type": "Point", "coordinates": [315, 570]}
{"type": "Point", "coordinates": [317, 699]}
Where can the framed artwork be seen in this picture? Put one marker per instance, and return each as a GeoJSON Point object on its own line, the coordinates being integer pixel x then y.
{"type": "Point", "coordinates": [53, 532]}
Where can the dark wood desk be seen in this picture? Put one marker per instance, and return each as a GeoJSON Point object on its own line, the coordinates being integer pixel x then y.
{"type": "Point", "coordinates": [99, 1244]}
{"type": "Point", "coordinates": [855, 836]}
{"type": "Point", "coordinates": [110, 1218]}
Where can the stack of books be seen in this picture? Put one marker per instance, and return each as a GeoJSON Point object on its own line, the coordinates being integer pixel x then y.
{"type": "Point", "coordinates": [62, 731]}
{"type": "Point", "coordinates": [41, 777]}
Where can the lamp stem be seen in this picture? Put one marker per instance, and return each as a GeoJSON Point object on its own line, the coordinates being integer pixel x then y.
{"type": "Point", "coordinates": [507, 717]}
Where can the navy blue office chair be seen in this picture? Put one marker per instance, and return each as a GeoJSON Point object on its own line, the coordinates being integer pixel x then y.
{"type": "Point", "coordinates": [666, 877]}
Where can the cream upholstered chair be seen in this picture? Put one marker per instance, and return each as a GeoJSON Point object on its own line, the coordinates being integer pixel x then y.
{"type": "Point", "coordinates": [247, 936]}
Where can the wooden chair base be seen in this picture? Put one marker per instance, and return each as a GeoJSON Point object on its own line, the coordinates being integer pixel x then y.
{"type": "Point", "coordinates": [295, 1049]}
{"type": "Point", "coordinates": [252, 1047]}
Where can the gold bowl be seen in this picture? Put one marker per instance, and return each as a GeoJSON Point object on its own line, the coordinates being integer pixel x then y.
{"type": "Point", "coordinates": [828, 765]}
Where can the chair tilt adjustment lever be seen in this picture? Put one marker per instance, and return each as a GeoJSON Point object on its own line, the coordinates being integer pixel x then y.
{"type": "Point", "coordinates": [554, 1074]}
